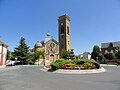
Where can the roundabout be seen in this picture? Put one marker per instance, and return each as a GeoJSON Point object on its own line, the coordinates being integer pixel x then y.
{"type": "Point", "coordinates": [64, 71]}
{"type": "Point", "coordinates": [83, 66]}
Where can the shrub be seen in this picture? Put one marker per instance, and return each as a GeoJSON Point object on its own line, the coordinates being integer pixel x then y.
{"type": "Point", "coordinates": [59, 64]}
{"type": "Point", "coordinates": [79, 62]}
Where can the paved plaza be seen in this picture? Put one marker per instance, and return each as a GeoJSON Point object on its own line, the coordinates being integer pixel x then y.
{"type": "Point", "coordinates": [32, 78]}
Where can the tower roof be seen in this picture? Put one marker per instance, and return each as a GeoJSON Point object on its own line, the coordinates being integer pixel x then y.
{"type": "Point", "coordinates": [64, 16]}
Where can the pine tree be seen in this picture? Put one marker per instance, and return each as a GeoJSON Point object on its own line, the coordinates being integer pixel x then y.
{"type": "Point", "coordinates": [22, 51]}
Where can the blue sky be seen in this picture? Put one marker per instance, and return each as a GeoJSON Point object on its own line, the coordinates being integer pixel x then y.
{"type": "Point", "coordinates": [92, 21]}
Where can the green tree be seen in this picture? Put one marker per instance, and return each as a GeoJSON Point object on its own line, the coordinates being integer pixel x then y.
{"type": "Point", "coordinates": [117, 53]}
{"type": "Point", "coordinates": [22, 51]}
{"type": "Point", "coordinates": [109, 55]}
{"type": "Point", "coordinates": [43, 56]}
{"type": "Point", "coordinates": [8, 55]}
{"type": "Point", "coordinates": [65, 54]}
{"type": "Point", "coordinates": [96, 53]}
{"type": "Point", "coordinates": [38, 55]}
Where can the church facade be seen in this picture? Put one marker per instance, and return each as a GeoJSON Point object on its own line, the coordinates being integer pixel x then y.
{"type": "Point", "coordinates": [51, 48]}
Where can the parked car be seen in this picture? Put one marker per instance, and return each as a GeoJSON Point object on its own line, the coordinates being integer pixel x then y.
{"type": "Point", "coordinates": [12, 62]}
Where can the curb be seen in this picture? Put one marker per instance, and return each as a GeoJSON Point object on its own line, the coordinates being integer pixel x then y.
{"type": "Point", "coordinates": [62, 71]}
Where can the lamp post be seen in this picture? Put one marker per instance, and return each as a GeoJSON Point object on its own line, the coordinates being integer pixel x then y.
{"type": "Point", "coordinates": [97, 59]}
{"type": "Point", "coordinates": [16, 60]}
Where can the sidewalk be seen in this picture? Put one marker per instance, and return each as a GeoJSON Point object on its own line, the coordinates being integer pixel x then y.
{"type": "Point", "coordinates": [107, 65]}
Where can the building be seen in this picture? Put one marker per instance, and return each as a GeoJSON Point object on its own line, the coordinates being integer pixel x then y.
{"type": "Point", "coordinates": [85, 55]}
{"type": "Point", "coordinates": [109, 47]}
{"type": "Point", "coordinates": [3, 54]}
{"type": "Point", "coordinates": [51, 48]}
{"type": "Point", "coordinates": [64, 33]}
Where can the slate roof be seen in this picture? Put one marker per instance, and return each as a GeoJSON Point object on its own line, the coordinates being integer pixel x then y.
{"type": "Point", "coordinates": [106, 45]}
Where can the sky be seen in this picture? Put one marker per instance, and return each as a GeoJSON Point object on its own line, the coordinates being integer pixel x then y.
{"type": "Point", "coordinates": [92, 21]}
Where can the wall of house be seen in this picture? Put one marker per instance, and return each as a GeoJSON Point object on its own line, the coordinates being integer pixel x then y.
{"type": "Point", "coordinates": [3, 55]}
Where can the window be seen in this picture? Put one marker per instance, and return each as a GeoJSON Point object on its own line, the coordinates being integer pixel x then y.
{"type": "Point", "coordinates": [62, 30]}
{"type": "Point", "coordinates": [111, 51]}
{"type": "Point", "coordinates": [62, 36]}
{"type": "Point", "coordinates": [106, 51]}
{"type": "Point", "coordinates": [68, 42]}
{"type": "Point", "coordinates": [68, 30]}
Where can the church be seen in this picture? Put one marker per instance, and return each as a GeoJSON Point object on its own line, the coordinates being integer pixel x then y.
{"type": "Point", "coordinates": [53, 48]}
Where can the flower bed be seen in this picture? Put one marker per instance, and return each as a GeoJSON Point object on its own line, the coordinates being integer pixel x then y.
{"type": "Point", "coordinates": [75, 64]}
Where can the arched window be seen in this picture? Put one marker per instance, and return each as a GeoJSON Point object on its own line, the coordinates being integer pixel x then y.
{"type": "Point", "coordinates": [62, 29]}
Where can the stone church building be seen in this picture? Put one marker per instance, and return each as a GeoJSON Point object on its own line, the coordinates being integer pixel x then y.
{"type": "Point", "coordinates": [54, 49]}
{"type": "Point", "coordinates": [51, 48]}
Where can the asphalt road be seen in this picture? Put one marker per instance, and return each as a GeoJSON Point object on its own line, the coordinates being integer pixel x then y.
{"type": "Point", "coordinates": [32, 78]}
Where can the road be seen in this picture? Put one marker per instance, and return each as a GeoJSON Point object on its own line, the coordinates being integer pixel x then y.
{"type": "Point", "coordinates": [32, 78]}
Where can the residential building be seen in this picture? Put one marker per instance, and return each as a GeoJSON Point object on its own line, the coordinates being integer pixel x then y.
{"type": "Point", "coordinates": [85, 55]}
{"type": "Point", "coordinates": [109, 47]}
{"type": "Point", "coordinates": [3, 54]}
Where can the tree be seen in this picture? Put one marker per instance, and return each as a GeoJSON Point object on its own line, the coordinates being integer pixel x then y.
{"type": "Point", "coordinates": [43, 56]}
{"type": "Point", "coordinates": [8, 55]}
{"type": "Point", "coordinates": [38, 55]}
{"type": "Point", "coordinates": [22, 51]}
{"type": "Point", "coordinates": [117, 53]}
{"type": "Point", "coordinates": [109, 55]}
{"type": "Point", "coordinates": [96, 53]}
{"type": "Point", "coordinates": [65, 54]}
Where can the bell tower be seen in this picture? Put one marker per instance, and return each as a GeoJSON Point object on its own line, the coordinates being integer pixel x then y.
{"type": "Point", "coordinates": [64, 33]}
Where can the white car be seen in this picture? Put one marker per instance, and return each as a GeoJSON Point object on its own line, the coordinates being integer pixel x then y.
{"type": "Point", "coordinates": [10, 63]}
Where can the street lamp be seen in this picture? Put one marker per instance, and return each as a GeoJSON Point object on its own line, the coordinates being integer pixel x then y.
{"type": "Point", "coordinates": [16, 60]}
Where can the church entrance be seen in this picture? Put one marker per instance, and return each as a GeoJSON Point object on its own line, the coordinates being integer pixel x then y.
{"type": "Point", "coordinates": [51, 58]}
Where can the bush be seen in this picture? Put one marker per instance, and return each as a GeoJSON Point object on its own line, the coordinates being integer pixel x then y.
{"type": "Point", "coordinates": [59, 64]}
{"type": "Point", "coordinates": [79, 62]}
